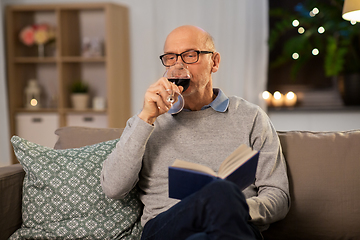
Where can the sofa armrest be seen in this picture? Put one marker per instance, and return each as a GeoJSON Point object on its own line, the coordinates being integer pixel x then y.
{"type": "Point", "coordinates": [11, 181]}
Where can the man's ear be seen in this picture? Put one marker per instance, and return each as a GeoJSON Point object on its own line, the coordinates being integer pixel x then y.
{"type": "Point", "coordinates": [216, 62]}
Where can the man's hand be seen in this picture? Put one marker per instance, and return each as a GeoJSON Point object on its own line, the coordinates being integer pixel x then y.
{"type": "Point", "coordinates": [155, 102]}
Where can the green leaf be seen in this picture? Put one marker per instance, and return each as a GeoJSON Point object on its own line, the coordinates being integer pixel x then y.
{"type": "Point", "coordinates": [339, 45]}
{"type": "Point", "coordinates": [335, 58]}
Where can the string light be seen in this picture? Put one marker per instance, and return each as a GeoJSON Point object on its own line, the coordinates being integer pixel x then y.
{"type": "Point", "coordinates": [315, 51]}
{"type": "Point", "coordinates": [301, 30]}
{"type": "Point", "coordinates": [321, 30]}
{"type": "Point", "coordinates": [295, 23]}
{"type": "Point", "coordinates": [295, 56]}
{"type": "Point", "coordinates": [313, 12]}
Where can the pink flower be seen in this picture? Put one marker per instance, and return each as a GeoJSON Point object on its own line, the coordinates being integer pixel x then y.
{"type": "Point", "coordinates": [27, 36]}
{"type": "Point", "coordinates": [37, 33]}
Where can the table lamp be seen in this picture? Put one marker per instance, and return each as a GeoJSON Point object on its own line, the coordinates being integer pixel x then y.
{"type": "Point", "coordinates": [351, 10]}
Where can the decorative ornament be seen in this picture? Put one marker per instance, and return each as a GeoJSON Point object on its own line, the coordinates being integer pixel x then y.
{"type": "Point", "coordinates": [33, 92]}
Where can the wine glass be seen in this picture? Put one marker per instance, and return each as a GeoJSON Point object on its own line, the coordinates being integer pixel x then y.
{"type": "Point", "coordinates": [179, 75]}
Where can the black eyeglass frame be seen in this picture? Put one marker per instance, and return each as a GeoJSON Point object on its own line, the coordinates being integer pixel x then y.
{"type": "Point", "coordinates": [180, 54]}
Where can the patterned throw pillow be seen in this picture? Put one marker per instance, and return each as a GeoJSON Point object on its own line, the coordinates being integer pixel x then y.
{"type": "Point", "coordinates": [63, 199]}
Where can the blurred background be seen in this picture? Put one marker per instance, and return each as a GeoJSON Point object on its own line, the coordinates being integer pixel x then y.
{"type": "Point", "coordinates": [269, 48]}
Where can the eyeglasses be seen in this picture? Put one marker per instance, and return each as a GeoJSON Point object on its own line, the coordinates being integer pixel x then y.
{"type": "Point", "coordinates": [190, 56]}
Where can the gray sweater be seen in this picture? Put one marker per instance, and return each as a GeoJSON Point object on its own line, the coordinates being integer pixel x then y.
{"type": "Point", "coordinates": [207, 137]}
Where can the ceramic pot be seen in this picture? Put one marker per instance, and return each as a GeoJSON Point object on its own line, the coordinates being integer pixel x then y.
{"type": "Point", "coordinates": [80, 101]}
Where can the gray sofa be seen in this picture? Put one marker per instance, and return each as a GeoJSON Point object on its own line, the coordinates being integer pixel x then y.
{"type": "Point", "coordinates": [323, 170]}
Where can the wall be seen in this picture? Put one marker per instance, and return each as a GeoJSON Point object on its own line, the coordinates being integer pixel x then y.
{"type": "Point", "coordinates": [320, 120]}
{"type": "Point", "coordinates": [4, 123]}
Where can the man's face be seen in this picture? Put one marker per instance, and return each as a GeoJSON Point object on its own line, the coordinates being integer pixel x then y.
{"type": "Point", "coordinates": [189, 39]}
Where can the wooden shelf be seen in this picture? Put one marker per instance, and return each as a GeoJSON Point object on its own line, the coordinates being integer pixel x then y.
{"type": "Point", "coordinates": [83, 59]}
{"type": "Point", "coordinates": [70, 59]}
{"type": "Point", "coordinates": [40, 110]}
{"type": "Point", "coordinates": [35, 60]}
{"type": "Point", "coordinates": [108, 75]}
{"type": "Point", "coordinates": [71, 110]}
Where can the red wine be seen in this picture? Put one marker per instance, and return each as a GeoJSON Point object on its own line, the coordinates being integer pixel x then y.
{"type": "Point", "coordinates": [184, 82]}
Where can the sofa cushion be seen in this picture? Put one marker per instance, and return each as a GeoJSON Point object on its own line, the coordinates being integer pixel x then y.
{"type": "Point", "coordinates": [74, 137]}
{"type": "Point", "coordinates": [62, 196]}
{"type": "Point", "coordinates": [11, 178]}
{"type": "Point", "coordinates": [323, 169]}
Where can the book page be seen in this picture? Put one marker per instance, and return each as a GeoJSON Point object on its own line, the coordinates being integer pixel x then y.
{"type": "Point", "coordinates": [193, 166]}
{"type": "Point", "coordinates": [235, 159]}
{"type": "Point", "coordinates": [235, 165]}
{"type": "Point", "coordinates": [237, 153]}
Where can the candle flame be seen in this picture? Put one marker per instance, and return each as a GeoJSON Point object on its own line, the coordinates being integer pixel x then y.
{"type": "Point", "coordinates": [277, 95]}
{"type": "Point", "coordinates": [266, 95]}
{"type": "Point", "coordinates": [290, 95]}
{"type": "Point", "coordinates": [33, 102]}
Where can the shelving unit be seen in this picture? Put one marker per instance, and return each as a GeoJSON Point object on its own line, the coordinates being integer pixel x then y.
{"type": "Point", "coordinates": [108, 76]}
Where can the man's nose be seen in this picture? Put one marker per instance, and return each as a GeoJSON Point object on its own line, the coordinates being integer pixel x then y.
{"type": "Point", "coordinates": [179, 63]}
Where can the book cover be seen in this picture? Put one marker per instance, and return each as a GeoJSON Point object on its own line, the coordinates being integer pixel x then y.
{"type": "Point", "coordinates": [187, 178]}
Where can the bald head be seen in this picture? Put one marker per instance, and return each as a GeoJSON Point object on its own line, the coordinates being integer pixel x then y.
{"type": "Point", "coordinates": [199, 37]}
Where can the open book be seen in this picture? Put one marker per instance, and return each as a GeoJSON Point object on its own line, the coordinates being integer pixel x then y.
{"type": "Point", "coordinates": [186, 178]}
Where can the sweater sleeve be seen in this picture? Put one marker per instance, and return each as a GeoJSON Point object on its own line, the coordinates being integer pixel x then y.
{"type": "Point", "coordinates": [272, 201]}
{"type": "Point", "coordinates": [120, 171]}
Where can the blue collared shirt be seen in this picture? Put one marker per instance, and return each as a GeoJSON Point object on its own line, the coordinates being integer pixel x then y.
{"type": "Point", "coordinates": [220, 103]}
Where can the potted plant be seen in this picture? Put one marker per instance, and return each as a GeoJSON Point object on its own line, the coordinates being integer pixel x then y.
{"type": "Point", "coordinates": [79, 95]}
{"type": "Point", "coordinates": [317, 28]}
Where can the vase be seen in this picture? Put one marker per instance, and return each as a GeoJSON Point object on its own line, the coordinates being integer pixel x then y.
{"type": "Point", "coordinates": [349, 86]}
{"type": "Point", "coordinates": [80, 101]}
{"type": "Point", "coordinates": [41, 50]}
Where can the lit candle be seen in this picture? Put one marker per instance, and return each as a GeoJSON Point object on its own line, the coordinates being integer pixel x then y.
{"type": "Point", "coordinates": [33, 102]}
{"type": "Point", "coordinates": [278, 99]}
{"type": "Point", "coordinates": [290, 99]}
{"type": "Point", "coordinates": [267, 97]}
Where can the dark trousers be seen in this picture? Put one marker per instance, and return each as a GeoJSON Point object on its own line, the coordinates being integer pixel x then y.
{"type": "Point", "coordinates": [217, 211]}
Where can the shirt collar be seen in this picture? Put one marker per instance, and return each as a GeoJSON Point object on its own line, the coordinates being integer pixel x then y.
{"type": "Point", "coordinates": [220, 103]}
